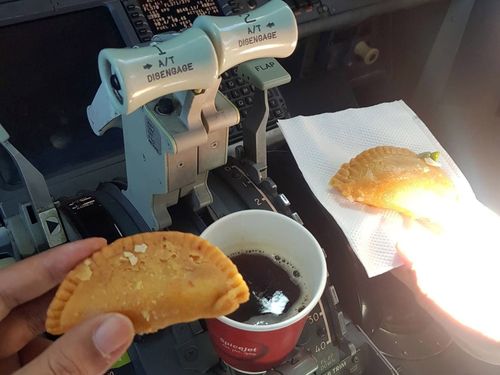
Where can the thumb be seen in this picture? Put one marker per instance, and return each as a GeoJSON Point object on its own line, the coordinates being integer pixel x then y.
{"type": "Point", "coordinates": [89, 348]}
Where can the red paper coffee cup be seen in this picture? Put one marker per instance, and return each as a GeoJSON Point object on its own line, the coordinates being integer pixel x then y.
{"type": "Point", "coordinates": [250, 348]}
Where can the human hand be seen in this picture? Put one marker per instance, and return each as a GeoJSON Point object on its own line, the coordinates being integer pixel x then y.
{"type": "Point", "coordinates": [26, 289]}
{"type": "Point", "coordinates": [457, 267]}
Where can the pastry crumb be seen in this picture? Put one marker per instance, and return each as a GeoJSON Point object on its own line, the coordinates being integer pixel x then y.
{"type": "Point", "coordinates": [131, 257]}
{"type": "Point", "coordinates": [87, 262]}
{"type": "Point", "coordinates": [84, 273]}
{"type": "Point", "coordinates": [140, 248]}
{"type": "Point", "coordinates": [145, 314]}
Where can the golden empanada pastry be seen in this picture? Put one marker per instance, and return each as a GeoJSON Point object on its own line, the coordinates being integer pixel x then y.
{"type": "Point", "coordinates": [398, 179]}
{"type": "Point", "coordinates": [156, 279]}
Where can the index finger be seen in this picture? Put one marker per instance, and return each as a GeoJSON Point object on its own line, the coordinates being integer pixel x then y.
{"type": "Point", "coordinates": [32, 277]}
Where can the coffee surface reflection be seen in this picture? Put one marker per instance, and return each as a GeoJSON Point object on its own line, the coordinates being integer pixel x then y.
{"type": "Point", "coordinates": [276, 292]}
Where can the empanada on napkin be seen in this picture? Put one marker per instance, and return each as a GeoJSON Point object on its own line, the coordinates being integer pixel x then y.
{"type": "Point", "coordinates": [398, 179]}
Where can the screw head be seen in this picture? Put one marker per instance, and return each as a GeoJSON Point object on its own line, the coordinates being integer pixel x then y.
{"type": "Point", "coordinates": [191, 354]}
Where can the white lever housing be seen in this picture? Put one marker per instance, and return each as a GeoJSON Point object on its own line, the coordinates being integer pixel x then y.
{"type": "Point", "coordinates": [269, 31]}
{"type": "Point", "coordinates": [136, 76]}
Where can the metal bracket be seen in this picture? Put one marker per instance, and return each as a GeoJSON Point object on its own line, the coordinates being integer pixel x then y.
{"type": "Point", "coordinates": [169, 157]}
{"type": "Point", "coordinates": [38, 191]}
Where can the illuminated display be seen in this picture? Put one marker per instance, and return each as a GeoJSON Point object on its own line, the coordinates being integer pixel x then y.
{"type": "Point", "coordinates": [176, 15]}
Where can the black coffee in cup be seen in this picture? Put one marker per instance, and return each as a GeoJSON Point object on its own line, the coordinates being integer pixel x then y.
{"type": "Point", "coordinates": [275, 286]}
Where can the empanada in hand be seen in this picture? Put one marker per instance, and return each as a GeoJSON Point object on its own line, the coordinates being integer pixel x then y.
{"type": "Point", "coordinates": [398, 179]}
{"type": "Point", "coordinates": [156, 279]}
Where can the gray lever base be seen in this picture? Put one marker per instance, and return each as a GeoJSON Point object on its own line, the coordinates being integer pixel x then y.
{"type": "Point", "coordinates": [168, 156]}
{"type": "Point", "coordinates": [41, 200]}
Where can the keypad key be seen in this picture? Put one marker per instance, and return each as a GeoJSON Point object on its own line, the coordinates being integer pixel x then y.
{"type": "Point", "coordinates": [249, 100]}
{"type": "Point", "coordinates": [273, 103]}
{"type": "Point", "coordinates": [231, 84]}
{"type": "Point", "coordinates": [245, 90]}
{"type": "Point", "coordinates": [235, 94]}
{"type": "Point", "coordinates": [240, 81]}
{"type": "Point", "coordinates": [278, 113]}
{"type": "Point", "coordinates": [240, 103]}
{"type": "Point", "coordinates": [243, 113]}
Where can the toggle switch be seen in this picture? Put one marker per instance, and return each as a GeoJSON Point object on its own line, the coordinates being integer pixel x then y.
{"type": "Point", "coordinates": [165, 106]}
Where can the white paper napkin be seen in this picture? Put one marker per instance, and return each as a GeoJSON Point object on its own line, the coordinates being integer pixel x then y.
{"type": "Point", "coordinates": [322, 143]}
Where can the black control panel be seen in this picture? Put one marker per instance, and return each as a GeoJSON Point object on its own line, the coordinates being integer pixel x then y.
{"type": "Point", "coordinates": [309, 10]}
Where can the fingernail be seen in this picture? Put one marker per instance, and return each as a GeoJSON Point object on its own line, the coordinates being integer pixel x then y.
{"type": "Point", "coordinates": [112, 334]}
